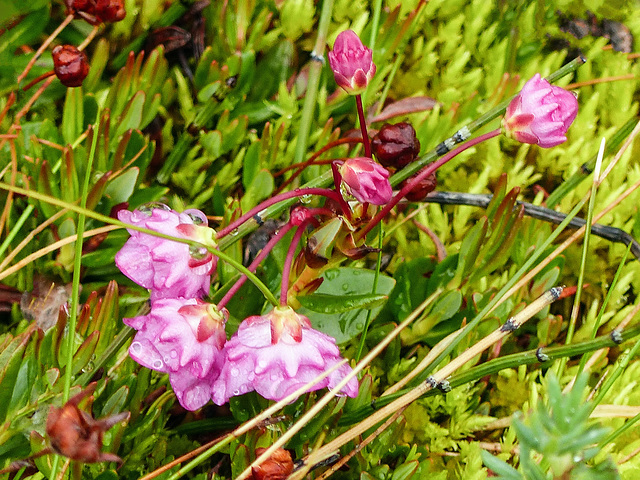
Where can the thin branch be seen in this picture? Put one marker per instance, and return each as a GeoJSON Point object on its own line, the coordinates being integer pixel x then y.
{"type": "Point", "coordinates": [541, 213]}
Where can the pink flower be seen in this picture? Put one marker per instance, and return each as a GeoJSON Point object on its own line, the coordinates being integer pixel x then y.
{"type": "Point", "coordinates": [351, 63]}
{"type": "Point", "coordinates": [184, 338]}
{"type": "Point", "coordinates": [276, 354]}
{"type": "Point", "coordinates": [169, 269]}
{"type": "Point", "coordinates": [541, 114]}
{"type": "Point", "coordinates": [366, 180]}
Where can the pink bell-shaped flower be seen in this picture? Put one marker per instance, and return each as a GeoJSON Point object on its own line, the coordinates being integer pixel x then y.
{"type": "Point", "coordinates": [169, 269]}
{"type": "Point", "coordinates": [276, 354]}
{"type": "Point", "coordinates": [184, 338]}
{"type": "Point", "coordinates": [351, 63]}
{"type": "Point", "coordinates": [541, 114]}
{"type": "Point", "coordinates": [366, 180]}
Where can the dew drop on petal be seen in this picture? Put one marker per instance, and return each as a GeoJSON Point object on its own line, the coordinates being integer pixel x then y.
{"type": "Point", "coordinates": [136, 347]}
{"type": "Point", "coordinates": [236, 392]}
{"type": "Point", "coordinates": [158, 364]}
{"type": "Point", "coordinates": [235, 372]}
{"type": "Point", "coordinates": [173, 354]}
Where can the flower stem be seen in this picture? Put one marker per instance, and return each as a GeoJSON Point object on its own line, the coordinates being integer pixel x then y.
{"type": "Point", "coordinates": [298, 192]}
{"type": "Point", "coordinates": [288, 261]}
{"type": "Point", "coordinates": [278, 235]}
{"type": "Point", "coordinates": [363, 127]}
{"type": "Point", "coordinates": [315, 69]}
{"type": "Point", "coordinates": [337, 180]}
{"type": "Point", "coordinates": [422, 175]}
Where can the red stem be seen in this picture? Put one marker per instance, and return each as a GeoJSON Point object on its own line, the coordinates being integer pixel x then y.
{"type": "Point", "coordinates": [422, 175]}
{"type": "Point", "coordinates": [298, 192]}
{"type": "Point", "coordinates": [277, 236]}
{"type": "Point", "coordinates": [288, 261]}
{"type": "Point", "coordinates": [363, 127]}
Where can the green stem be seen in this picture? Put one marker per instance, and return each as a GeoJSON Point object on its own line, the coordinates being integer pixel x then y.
{"type": "Point", "coordinates": [16, 228]}
{"type": "Point", "coordinates": [507, 286]}
{"type": "Point", "coordinates": [75, 286]}
{"type": "Point", "coordinates": [491, 367]}
{"type": "Point", "coordinates": [374, 290]}
{"type": "Point", "coordinates": [102, 218]}
{"type": "Point", "coordinates": [317, 60]}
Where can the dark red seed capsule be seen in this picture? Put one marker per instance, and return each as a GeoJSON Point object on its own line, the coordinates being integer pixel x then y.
{"type": "Point", "coordinates": [110, 10]}
{"type": "Point", "coordinates": [422, 189]}
{"type": "Point", "coordinates": [70, 65]}
{"type": "Point", "coordinates": [396, 145]}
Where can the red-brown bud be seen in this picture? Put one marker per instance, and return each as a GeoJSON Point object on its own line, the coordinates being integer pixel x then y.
{"type": "Point", "coordinates": [396, 145]}
{"type": "Point", "coordinates": [76, 435]}
{"type": "Point", "coordinates": [70, 65]}
{"type": "Point", "coordinates": [422, 189]}
{"type": "Point", "coordinates": [278, 467]}
{"type": "Point", "coordinates": [110, 10]}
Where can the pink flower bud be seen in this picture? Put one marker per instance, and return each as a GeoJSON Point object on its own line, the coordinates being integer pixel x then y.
{"type": "Point", "coordinates": [366, 180]}
{"type": "Point", "coordinates": [351, 63]}
{"type": "Point", "coordinates": [541, 114]}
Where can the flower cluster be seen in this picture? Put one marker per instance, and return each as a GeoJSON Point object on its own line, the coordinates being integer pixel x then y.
{"type": "Point", "coordinates": [184, 336]}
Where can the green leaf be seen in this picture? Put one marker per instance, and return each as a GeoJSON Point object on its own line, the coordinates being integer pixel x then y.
{"type": "Point", "coordinates": [502, 468]}
{"type": "Point", "coordinates": [322, 303]}
{"type": "Point", "coordinates": [72, 115]}
{"type": "Point", "coordinates": [10, 364]}
{"type": "Point", "coordinates": [341, 282]}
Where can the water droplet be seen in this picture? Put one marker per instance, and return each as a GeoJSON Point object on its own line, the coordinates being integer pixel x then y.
{"type": "Point", "coordinates": [359, 325]}
{"type": "Point", "coordinates": [136, 347]}
{"type": "Point", "coordinates": [235, 372]}
{"type": "Point", "coordinates": [198, 253]}
{"type": "Point", "coordinates": [306, 198]}
{"type": "Point", "coordinates": [251, 376]}
{"type": "Point", "coordinates": [331, 274]}
{"type": "Point", "coordinates": [345, 286]}
{"type": "Point", "coordinates": [157, 364]}
{"type": "Point", "coordinates": [233, 232]}
{"type": "Point", "coordinates": [274, 376]}
{"type": "Point", "coordinates": [236, 392]}
{"type": "Point", "coordinates": [148, 208]}
{"type": "Point", "coordinates": [197, 219]}
{"type": "Point", "coordinates": [262, 364]}
{"type": "Point", "coordinates": [167, 359]}
{"type": "Point", "coordinates": [173, 354]}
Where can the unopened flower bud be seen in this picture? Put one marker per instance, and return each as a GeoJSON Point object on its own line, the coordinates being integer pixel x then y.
{"type": "Point", "coordinates": [421, 189]}
{"type": "Point", "coordinates": [367, 180]}
{"type": "Point", "coordinates": [70, 65]}
{"type": "Point", "coordinates": [351, 63]}
{"type": "Point", "coordinates": [396, 145]}
{"type": "Point", "coordinates": [541, 114]}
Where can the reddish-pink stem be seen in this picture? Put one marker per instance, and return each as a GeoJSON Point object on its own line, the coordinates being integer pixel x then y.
{"type": "Point", "coordinates": [288, 261]}
{"type": "Point", "coordinates": [337, 180]}
{"type": "Point", "coordinates": [422, 175]}
{"type": "Point", "coordinates": [298, 192]}
{"type": "Point", "coordinates": [363, 127]}
{"type": "Point", "coordinates": [277, 236]}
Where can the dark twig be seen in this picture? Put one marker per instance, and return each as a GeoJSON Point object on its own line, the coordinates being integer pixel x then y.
{"type": "Point", "coordinates": [541, 213]}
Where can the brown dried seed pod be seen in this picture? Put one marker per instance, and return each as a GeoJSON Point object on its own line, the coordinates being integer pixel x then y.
{"type": "Point", "coordinates": [70, 65]}
{"type": "Point", "coordinates": [396, 145]}
{"type": "Point", "coordinates": [277, 467]}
